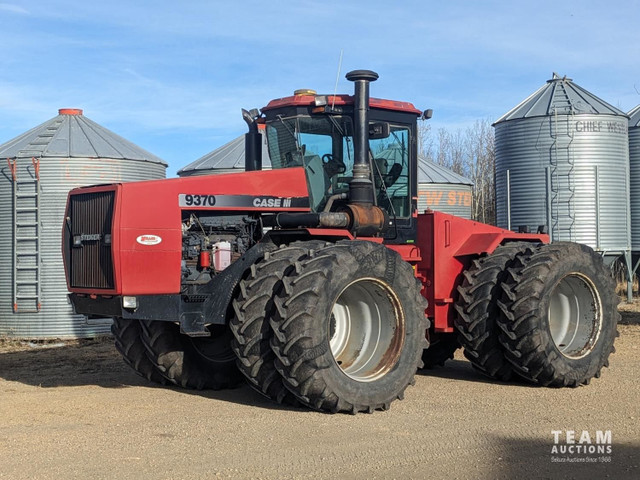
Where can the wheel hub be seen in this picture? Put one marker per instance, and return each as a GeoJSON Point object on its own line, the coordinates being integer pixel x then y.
{"type": "Point", "coordinates": [366, 329]}
{"type": "Point", "coordinates": [575, 315]}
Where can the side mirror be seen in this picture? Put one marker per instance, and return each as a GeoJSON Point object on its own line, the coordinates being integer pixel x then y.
{"type": "Point", "coordinates": [427, 114]}
{"type": "Point", "coordinates": [379, 130]}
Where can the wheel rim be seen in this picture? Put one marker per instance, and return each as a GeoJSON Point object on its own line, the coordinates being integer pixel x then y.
{"type": "Point", "coordinates": [575, 315]}
{"type": "Point", "coordinates": [367, 329]}
{"type": "Point", "coordinates": [217, 347]}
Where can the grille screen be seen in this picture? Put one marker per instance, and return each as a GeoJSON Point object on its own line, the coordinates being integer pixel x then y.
{"type": "Point", "coordinates": [90, 250]}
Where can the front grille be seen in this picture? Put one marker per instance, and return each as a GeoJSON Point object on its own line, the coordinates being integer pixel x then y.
{"type": "Point", "coordinates": [90, 250]}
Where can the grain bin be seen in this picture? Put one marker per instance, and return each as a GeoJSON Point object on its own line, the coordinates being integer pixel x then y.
{"type": "Point", "coordinates": [228, 158]}
{"type": "Point", "coordinates": [443, 190]}
{"type": "Point", "coordinates": [634, 168]}
{"type": "Point", "coordinates": [562, 160]}
{"type": "Point", "coordinates": [40, 167]}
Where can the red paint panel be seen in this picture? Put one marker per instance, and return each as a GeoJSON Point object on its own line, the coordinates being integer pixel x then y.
{"type": "Point", "coordinates": [330, 232]}
{"type": "Point", "coordinates": [150, 209]}
{"type": "Point", "coordinates": [309, 100]}
{"type": "Point", "coordinates": [409, 252]}
{"type": "Point", "coordinates": [448, 244]}
{"type": "Point", "coordinates": [150, 269]}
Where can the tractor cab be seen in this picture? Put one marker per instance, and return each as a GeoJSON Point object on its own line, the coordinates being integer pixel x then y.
{"type": "Point", "coordinates": [319, 133]}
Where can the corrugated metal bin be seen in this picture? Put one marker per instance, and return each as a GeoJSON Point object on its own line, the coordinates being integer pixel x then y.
{"type": "Point", "coordinates": [40, 167]}
{"type": "Point", "coordinates": [562, 160]}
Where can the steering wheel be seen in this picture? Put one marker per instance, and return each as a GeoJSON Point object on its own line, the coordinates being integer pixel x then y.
{"type": "Point", "coordinates": [333, 166]}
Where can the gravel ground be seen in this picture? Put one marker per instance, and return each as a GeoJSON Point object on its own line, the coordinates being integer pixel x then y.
{"type": "Point", "coordinates": [75, 410]}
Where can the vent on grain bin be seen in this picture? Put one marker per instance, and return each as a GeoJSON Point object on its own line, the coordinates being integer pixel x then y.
{"type": "Point", "coordinates": [40, 167]}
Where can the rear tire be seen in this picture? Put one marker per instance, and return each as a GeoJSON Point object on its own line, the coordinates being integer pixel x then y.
{"type": "Point", "coordinates": [192, 362]}
{"type": "Point", "coordinates": [254, 308]}
{"type": "Point", "coordinates": [560, 315]}
{"type": "Point", "coordinates": [441, 348]}
{"type": "Point", "coordinates": [350, 328]}
{"type": "Point", "coordinates": [477, 307]}
{"type": "Point", "coordinates": [127, 335]}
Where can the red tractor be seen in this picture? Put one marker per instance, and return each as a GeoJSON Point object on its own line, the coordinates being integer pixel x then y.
{"type": "Point", "coordinates": [319, 281]}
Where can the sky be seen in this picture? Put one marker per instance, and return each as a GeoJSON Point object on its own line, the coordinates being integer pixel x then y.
{"type": "Point", "coordinates": [172, 76]}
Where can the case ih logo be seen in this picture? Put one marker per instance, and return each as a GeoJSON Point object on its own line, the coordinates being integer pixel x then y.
{"type": "Point", "coordinates": [271, 202]}
{"type": "Point", "coordinates": [148, 240]}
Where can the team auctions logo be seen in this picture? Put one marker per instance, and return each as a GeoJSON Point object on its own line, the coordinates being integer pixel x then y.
{"type": "Point", "coordinates": [573, 446]}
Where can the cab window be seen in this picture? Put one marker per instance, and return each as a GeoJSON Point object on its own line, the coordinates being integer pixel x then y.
{"type": "Point", "coordinates": [391, 171]}
{"type": "Point", "coordinates": [322, 145]}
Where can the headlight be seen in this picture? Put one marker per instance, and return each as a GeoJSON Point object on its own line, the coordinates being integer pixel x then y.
{"type": "Point", "coordinates": [130, 302]}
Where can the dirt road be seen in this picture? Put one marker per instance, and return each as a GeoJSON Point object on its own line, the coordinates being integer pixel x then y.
{"type": "Point", "coordinates": [78, 412]}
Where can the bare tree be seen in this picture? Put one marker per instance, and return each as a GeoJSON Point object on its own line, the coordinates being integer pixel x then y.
{"type": "Point", "coordinates": [470, 153]}
{"type": "Point", "coordinates": [425, 140]}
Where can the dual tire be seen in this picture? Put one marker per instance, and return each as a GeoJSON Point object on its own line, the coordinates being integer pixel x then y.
{"type": "Point", "coordinates": [158, 352]}
{"type": "Point", "coordinates": [128, 340]}
{"type": "Point", "coordinates": [559, 315]}
{"type": "Point", "coordinates": [253, 309]}
{"type": "Point", "coordinates": [336, 327]}
{"type": "Point", "coordinates": [478, 310]}
{"type": "Point", "coordinates": [546, 313]}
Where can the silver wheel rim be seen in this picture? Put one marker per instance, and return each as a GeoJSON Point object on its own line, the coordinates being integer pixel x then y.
{"type": "Point", "coordinates": [575, 315]}
{"type": "Point", "coordinates": [366, 330]}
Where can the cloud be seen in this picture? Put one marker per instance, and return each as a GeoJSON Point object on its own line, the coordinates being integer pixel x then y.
{"type": "Point", "coordinates": [11, 8]}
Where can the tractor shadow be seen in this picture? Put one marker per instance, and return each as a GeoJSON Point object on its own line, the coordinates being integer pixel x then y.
{"type": "Point", "coordinates": [532, 457]}
{"type": "Point", "coordinates": [95, 362]}
{"type": "Point", "coordinates": [461, 369]}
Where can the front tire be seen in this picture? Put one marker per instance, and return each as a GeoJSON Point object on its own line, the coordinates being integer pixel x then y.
{"type": "Point", "coordinates": [192, 362]}
{"type": "Point", "coordinates": [253, 309]}
{"type": "Point", "coordinates": [128, 340]}
{"type": "Point", "coordinates": [350, 328]}
{"type": "Point", "coordinates": [559, 315]}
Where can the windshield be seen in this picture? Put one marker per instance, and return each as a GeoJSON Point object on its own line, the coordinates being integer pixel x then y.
{"type": "Point", "coordinates": [323, 145]}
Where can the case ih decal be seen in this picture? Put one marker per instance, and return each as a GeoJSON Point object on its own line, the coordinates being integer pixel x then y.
{"type": "Point", "coordinates": [240, 201]}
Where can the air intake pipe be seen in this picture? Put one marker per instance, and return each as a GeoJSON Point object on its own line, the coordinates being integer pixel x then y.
{"type": "Point", "coordinates": [252, 141]}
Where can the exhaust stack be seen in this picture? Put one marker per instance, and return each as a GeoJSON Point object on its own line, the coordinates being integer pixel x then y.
{"type": "Point", "coordinates": [252, 141]}
{"type": "Point", "coordinates": [361, 189]}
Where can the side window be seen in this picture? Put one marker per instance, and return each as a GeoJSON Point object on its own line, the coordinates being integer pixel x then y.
{"type": "Point", "coordinates": [323, 145]}
{"type": "Point", "coordinates": [316, 147]}
{"type": "Point", "coordinates": [391, 171]}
